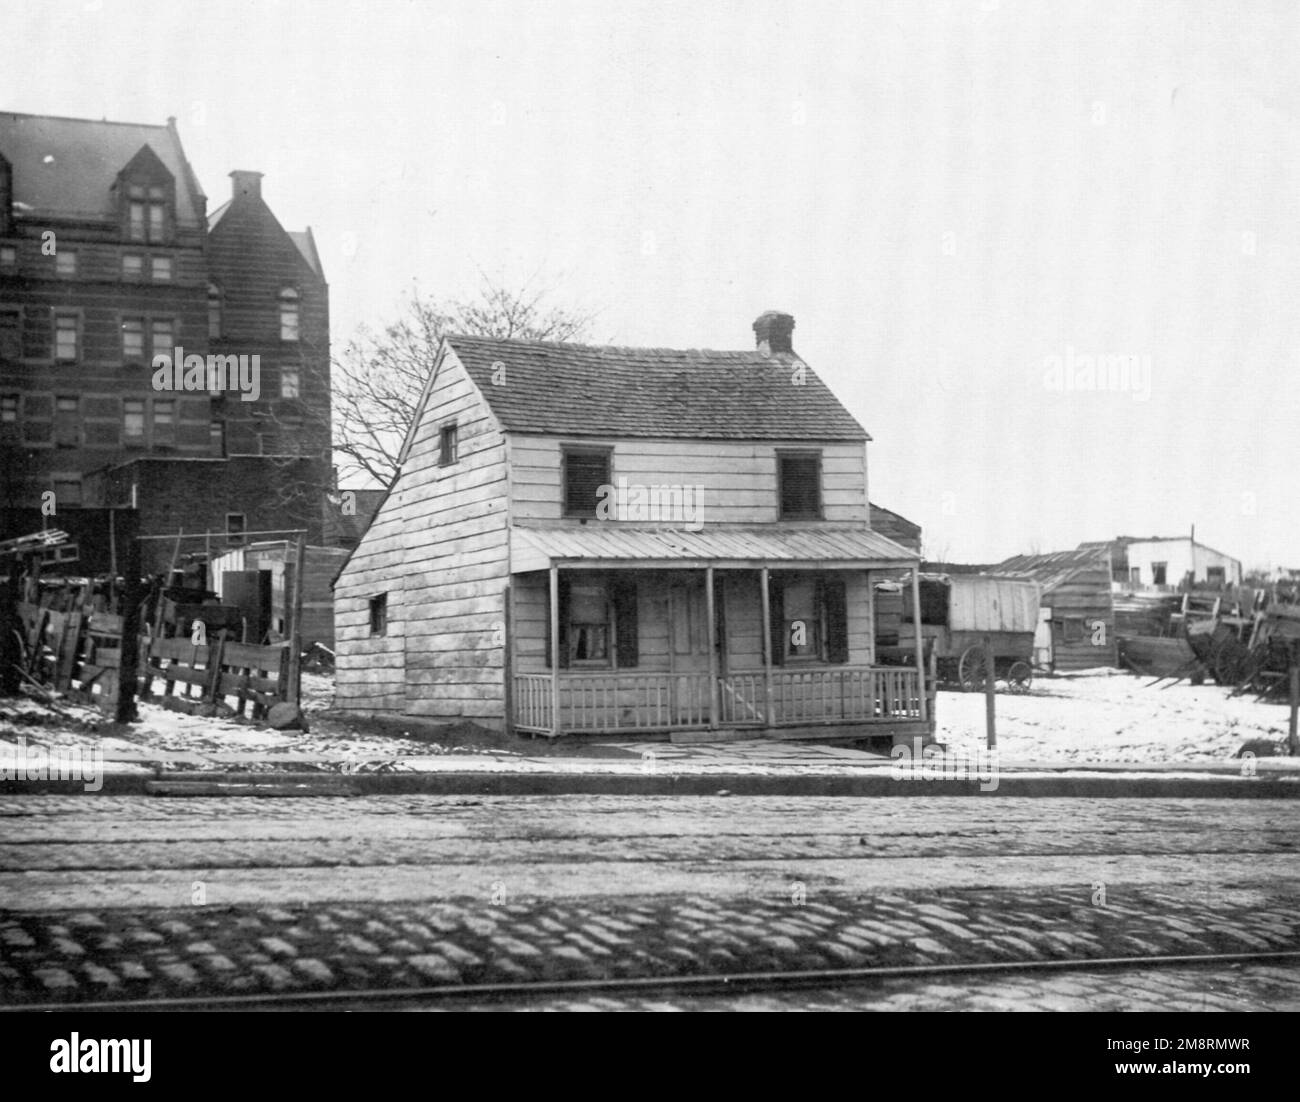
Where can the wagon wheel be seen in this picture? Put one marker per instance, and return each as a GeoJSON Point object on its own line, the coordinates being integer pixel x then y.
{"type": "Point", "coordinates": [970, 669]}
{"type": "Point", "coordinates": [1019, 676]}
{"type": "Point", "coordinates": [1228, 662]}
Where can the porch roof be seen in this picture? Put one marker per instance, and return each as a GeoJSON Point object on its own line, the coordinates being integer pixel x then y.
{"type": "Point", "coordinates": [601, 545]}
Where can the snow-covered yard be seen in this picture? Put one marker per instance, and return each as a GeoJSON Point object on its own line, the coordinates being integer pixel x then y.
{"type": "Point", "coordinates": [1102, 716]}
{"type": "Point", "coordinates": [1109, 716]}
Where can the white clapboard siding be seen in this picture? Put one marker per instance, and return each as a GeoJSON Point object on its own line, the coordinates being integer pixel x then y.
{"type": "Point", "coordinates": [739, 479]}
{"type": "Point", "coordinates": [439, 547]}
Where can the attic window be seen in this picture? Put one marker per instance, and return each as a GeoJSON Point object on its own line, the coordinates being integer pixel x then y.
{"type": "Point", "coordinates": [146, 213]}
{"type": "Point", "coordinates": [448, 445]}
{"type": "Point", "coordinates": [586, 470]}
{"type": "Point", "coordinates": [379, 614]}
{"type": "Point", "coordinates": [214, 312]}
{"type": "Point", "coordinates": [799, 477]}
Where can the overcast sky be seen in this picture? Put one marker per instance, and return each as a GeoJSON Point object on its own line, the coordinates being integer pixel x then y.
{"type": "Point", "coordinates": [958, 202]}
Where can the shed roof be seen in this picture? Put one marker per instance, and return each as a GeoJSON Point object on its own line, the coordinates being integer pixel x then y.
{"type": "Point", "coordinates": [599, 390]}
{"type": "Point", "coordinates": [1056, 567]}
{"type": "Point", "coordinates": [68, 166]}
{"type": "Point", "coordinates": [601, 544]}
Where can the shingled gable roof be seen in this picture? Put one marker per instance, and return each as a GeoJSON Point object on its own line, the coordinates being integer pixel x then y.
{"type": "Point", "coordinates": [597, 390]}
{"type": "Point", "coordinates": [84, 159]}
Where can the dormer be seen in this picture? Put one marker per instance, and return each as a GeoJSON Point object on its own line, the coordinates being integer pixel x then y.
{"type": "Point", "coordinates": [145, 194]}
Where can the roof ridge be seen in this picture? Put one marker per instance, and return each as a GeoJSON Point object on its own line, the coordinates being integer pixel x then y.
{"type": "Point", "coordinates": [79, 118]}
{"type": "Point", "coordinates": [777, 357]}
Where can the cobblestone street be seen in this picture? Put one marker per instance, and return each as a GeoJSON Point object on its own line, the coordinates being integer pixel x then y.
{"type": "Point", "coordinates": [118, 898]}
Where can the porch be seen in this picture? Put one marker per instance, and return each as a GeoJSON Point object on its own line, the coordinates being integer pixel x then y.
{"type": "Point", "coordinates": [627, 640]}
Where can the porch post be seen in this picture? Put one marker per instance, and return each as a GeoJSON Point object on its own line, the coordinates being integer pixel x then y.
{"type": "Point", "coordinates": [920, 648]}
{"type": "Point", "coordinates": [713, 648]}
{"type": "Point", "coordinates": [555, 649]}
{"type": "Point", "coordinates": [767, 650]}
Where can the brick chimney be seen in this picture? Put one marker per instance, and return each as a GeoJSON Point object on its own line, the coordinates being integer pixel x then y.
{"type": "Point", "coordinates": [773, 331]}
{"type": "Point", "coordinates": [244, 182]}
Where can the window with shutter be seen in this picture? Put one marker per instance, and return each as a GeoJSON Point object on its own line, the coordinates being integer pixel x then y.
{"type": "Point", "coordinates": [586, 470]}
{"type": "Point", "coordinates": [799, 477]}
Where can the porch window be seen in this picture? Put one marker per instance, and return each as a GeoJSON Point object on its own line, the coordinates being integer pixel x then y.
{"type": "Point", "coordinates": [588, 626]}
{"type": "Point", "coordinates": [586, 470]}
{"type": "Point", "coordinates": [799, 477]}
{"type": "Point", "coordinates": [809, 617]}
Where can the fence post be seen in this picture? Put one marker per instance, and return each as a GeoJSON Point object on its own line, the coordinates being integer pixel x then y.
{"type": "Point", "coordinates": [989, 690]}
{"type": "Point", "coordinates": [1293, 735]}
{"type": "Point", "coordinates": [131, 598]}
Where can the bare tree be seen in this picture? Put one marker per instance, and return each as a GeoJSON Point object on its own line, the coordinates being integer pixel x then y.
{"type": "Point", "coordinates": [377, 379]}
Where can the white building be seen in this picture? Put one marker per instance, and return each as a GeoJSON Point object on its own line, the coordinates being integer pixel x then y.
{"type": "Point", "coordinates": [1173, 560]}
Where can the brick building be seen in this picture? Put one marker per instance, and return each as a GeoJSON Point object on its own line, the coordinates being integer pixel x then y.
{"type": "Point", "coordinates": [108, 258]}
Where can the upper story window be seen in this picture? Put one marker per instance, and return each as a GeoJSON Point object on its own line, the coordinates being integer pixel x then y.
{"type": "Point", "coordinates": [8, 258]}
{"type": "Point", "coordinates": [164, 422]}
{"type": "Point", "coordinates": [162, 269]}
{"type": "Point", "coordinates": [448, 445]}
{"type": "Point", "coordinates": [288, 314]}
{"type": "Point", "coordinates": [235, 527]}
{"type": "Point", "coordinates": [146, 213]}
{"type": "Point", "coordinates": [290, 382]}
{"type": "Point", "coordinates": [65, 262]}
{"type": "Point", "coordinates": [9, 408]}
{"type": "Point", "coordinates": [67, 492]}
{"type": "Point", "coordinates": [132, 266]}
{"type": "Point", "coordinates": [67, 422]}
{"type": "Point", "coordinates": [164, 336]}
{"type": "Point", "coordinates": [133, 339]}
{"type": "Point", "coordinates": [66, 328]}
{"type": "Point", "coordinates": [133, 420]}
{"type": "Point", "coordinates": [586, 470]}
{"type": "Point", "coordinates": [799, 484]}
{"type": "Point", "coordinates": [214, 311]}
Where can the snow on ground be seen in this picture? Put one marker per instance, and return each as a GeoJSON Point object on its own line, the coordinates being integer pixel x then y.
{"type": "Point", "coordinates": [1102, 716]}
{"type": "Point", "coordinates": [1109, 716]}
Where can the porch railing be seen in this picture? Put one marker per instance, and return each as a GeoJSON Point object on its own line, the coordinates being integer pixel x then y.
{"type": "Point", "coordinates": [675, 701]}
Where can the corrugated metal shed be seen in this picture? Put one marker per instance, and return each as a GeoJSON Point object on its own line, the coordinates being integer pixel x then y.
{"type": "Point", "coordinates": [807, 548]}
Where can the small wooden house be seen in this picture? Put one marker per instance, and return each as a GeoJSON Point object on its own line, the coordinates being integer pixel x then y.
{"type": "Point", "coordinates": [599, 539]}
{"type": "Point", "coordinates": [1076, 603]}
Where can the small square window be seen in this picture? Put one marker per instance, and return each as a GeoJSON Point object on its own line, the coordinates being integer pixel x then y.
{"type": "Point", "coordinates": [289, 381]}
{"type": "Point", "coordinates": [448, 445]}
{"type": "Point", "coordinates": [162, 269]}
{"type": "Point", "coordinates": [65, 337]}
{"type": "Point", "coordinates": [8, 257]}
{"type": "Point", "coordinates": [1072, 629]}
{"type": "Point", "coordinates": [65, 262]}
{"type": "Point", "coordinates": [67, 492]}
{"type": "Point", "coordinates": [132, 266]}
{"type": "Point", "coordinates": [379, 614]}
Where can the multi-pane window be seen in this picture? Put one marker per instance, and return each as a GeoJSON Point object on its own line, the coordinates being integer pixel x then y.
{"type": "Point", "coordinates": [448, 446]}
{"type": "Point", "coordinates": [799, 475]}
{"type": "Point", "coordinates": [164, 422]}
{"type": "Point", "coordinates": [289, 381]}
{"type": "Point", "coordinates": [8, 408]}
{"type": "Point", "coordinates": [132, 266]}
{"type": "Point", "coordinates": [132, 339]}
{"type": "Point", "coordinates": [163, 333]}
{"type": "Point", "coordinates": [133, 420]}
{"type": "Point", "coordinates": [217, 435]}
{"type": "Point", "coordinates": [588, 625]}
{"type": "Point", "coordinates": [146, 213]}
{"type": "Point", "coordinates": [65, 262]}
{"type": "Point", "coordinates": [8, 257]}
{"type": "Point", "coordinates": [162, 268]}
{"type": "Point", "coordinates": [65, 336]}
{"type": "Point", "coordinates": [235, 527]}
{"type": "Point", "coordinates": [586, 470]}
{"type": "Point", "coordinates": [288, 314]}
{"type": "Point", "coordinates": [214, 311]}
{"type": "Point", "coordinates": [67, 423]}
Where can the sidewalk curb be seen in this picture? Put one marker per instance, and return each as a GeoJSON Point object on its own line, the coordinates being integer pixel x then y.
{"type": "Point", "coordinates": [193, 784]}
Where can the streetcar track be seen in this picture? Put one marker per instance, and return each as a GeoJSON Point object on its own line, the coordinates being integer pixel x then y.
{"type": "Point", "coordinates": [707, 983]}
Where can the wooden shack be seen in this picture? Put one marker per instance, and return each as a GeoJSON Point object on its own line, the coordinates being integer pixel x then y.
{"type": "Point", "coordinates": [1076, 592]}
